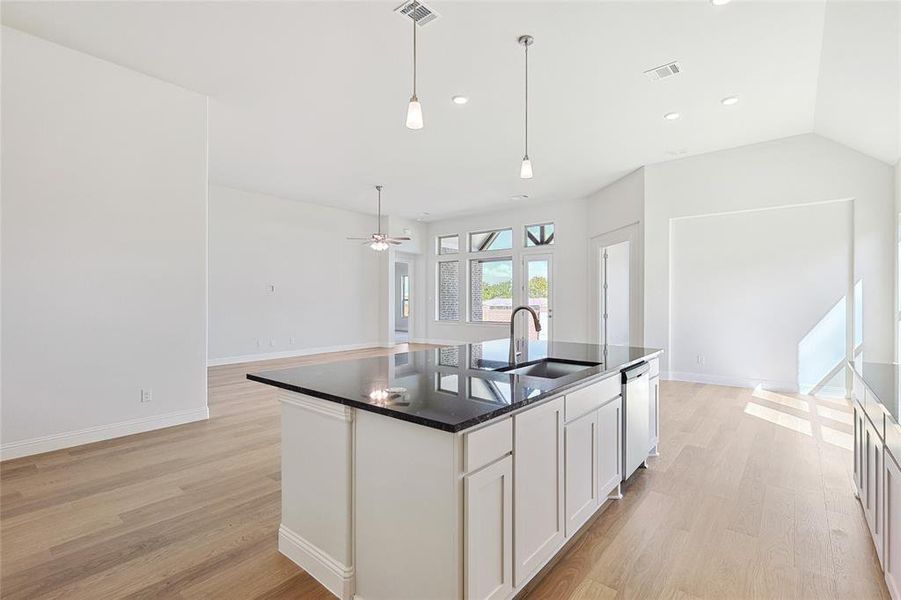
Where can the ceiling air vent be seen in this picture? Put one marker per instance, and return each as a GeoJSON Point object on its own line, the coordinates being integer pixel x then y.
{"type": "Point", "coordinates": [663, 71]}
{"type": "Point", "coordinates": [417, 11]}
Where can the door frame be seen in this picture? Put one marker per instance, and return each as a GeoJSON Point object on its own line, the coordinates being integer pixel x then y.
{"type": "Point", "coordinates": [524, 289]}
{"type": "Point", "coordinates": [412, 262]}
{"type": "Point", "coordinates": [629, 233]}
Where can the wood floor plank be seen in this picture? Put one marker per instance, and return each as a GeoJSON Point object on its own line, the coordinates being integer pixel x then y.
{"type": "Point", "coordinates": [740, 504]}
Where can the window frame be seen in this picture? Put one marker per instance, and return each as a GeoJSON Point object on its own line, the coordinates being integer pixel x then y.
{"type": "Point", "coordinates": [480, 257]}
{"type": "Point", "coordinates": [438, 239]}
{"type": "Point", "coordinates": [488, 251]}
{"type": "Point", "coordinates": [525, 235]}
{"type": "Point", "coordinates": [461, 307]}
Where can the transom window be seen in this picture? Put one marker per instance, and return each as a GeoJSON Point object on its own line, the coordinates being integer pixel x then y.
{"type": "Point", "coordinates": [448, 244]}
{"type": "Point", "coordinates": [540, 235]}
{"type": "Point", "coordinates": [485, 241]}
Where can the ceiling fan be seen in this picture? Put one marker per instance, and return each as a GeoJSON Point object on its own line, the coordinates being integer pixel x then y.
{"type": "Point", "coordinates": [381, 241]}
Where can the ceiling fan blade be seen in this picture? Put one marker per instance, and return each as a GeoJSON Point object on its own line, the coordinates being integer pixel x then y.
{"type": "Point", "coordinates": [357, 239]}
{"type": "Point", "coordinates": [392, 242]}
{"type": "Point", "coordinates": [402, 238]}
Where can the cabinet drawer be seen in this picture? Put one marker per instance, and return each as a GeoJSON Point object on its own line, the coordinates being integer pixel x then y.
{"type": "Point", "coordinates": [654, 364]}
{"type": "Point", "coordinates": [487, 444]}
{"type": "Point", "coordinates": [591, 397]}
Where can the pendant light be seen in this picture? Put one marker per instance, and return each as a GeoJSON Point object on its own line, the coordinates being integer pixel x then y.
{"type": "Point", "coordinates": [525, 170]}
{"type": "Point", "coordinates": [414, 108]}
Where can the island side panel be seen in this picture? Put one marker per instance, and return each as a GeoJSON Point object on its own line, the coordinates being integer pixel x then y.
{"type": "Point", "coordinates": [317, 497]}
{"type": "Point", "coordinates": [408, 510]}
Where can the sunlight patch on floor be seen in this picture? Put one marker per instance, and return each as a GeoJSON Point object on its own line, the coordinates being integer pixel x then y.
{"type": "Point", "coordinates": [779, 418]}
{"type": "Point", "coordinates": [835, 415]}
{"type": "Point", "coordinates": [837, 438]}
{"type": "Point", "coordinates": [788, 401]}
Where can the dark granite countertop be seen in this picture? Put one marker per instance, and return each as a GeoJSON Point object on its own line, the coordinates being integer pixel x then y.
{"type": "Point", "coordinates": [450, 388]}
{"type": "Point", "coordinates": [883, 381]}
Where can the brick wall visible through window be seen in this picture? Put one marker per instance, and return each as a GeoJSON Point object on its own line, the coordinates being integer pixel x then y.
{"type": "Point", "coordinates": [449, 291]}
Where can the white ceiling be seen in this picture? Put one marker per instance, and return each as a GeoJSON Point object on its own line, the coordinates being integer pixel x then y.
{"type": "Point", "coordinates": [308, 99]}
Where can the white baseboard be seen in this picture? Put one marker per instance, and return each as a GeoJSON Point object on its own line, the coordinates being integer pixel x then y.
{"type": "Point", "coordinates": [232, 360]}
{"type": "Point", "coordinates": [729, 381]}
{"type": "Point", "coordinates": [436, 342]}
{"type": "Point", "coordinates": [336, 577]}
{"type": "Point", "coordinates": [68, 439]}
{"type": "Point", "coordinates": [785, 387]}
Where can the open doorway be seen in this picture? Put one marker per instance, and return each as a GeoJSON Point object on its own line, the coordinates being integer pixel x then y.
{"type": "Point", "coordinates": [616, 277]}
{"type": "Point", "coordinates": [403, 304]}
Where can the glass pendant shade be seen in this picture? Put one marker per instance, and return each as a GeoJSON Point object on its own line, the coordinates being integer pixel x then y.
{"type": "Point", "coordinates": [378, 246]}
{"type": "Point", "coordinates": [414, 114]}
{"type": "Point", "coordinates": [525, 171]}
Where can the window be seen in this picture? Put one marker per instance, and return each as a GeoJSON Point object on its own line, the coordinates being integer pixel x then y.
{"type": "Point", "coordinates": [447, 383]}
{"type": "Point", "coordinates": [484, 241]}
{"type": "Point", "coordinates": [491, 290]}
{"type": "Point", "coordinates": [448, 244]}
{"type": "Point", "coordinates": [540, 235]}
{"type": "Point", "coordinates": [448, 308]}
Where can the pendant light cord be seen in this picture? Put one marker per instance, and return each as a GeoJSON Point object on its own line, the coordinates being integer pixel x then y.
{"type": "Point", "coordinates": [412, 18]}
{"type": "Point", "coordinates": [527, 100]}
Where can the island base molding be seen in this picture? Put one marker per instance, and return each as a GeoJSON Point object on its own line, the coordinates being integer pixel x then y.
{"type": "Point", "coordinates": [336, 577]}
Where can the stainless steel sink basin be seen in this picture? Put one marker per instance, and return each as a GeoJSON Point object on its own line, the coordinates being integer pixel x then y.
{"type": "Point", "coordinates": [549, 368]}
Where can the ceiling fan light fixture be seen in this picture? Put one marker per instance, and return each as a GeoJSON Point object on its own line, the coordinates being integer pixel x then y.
{"type": "Point", "coordinates": [379, 246]}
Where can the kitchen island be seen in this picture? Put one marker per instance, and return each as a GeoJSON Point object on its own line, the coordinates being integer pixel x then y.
{"type": "Point", "coordinates": [877, 460]}
{"type": "Point", "coordinates": [451, 473]}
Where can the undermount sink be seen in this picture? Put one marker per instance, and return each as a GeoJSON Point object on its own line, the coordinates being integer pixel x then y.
{"type": "Point", "coordinates": [549, 368]}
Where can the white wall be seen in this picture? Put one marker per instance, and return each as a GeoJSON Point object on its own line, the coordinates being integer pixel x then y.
{"type": "Point", "coordinates": [326, 288]}
{"type": "Point", "coordinates": [569, 285]}
{"type": "Point", "coordinates": [760, 297]}
{"type": "Point", "coordinates": [103, 249]}
{"type": "Point", "coordinates": [796, 170]}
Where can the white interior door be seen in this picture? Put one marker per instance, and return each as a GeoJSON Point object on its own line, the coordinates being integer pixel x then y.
{"type": "Point", "coordinates": [617, 287]}
{"type": "Point", "coordinates": [537, 292]}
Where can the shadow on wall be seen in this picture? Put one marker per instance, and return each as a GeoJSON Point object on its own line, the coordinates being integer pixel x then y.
{"type": "Point", "coordinates": [822, 352]}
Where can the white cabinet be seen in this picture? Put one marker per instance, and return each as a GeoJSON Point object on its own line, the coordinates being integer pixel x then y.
{"type": "Point", "coordinates": [488, 514]}
{"type": "Point", "coordinates": [891, 554]}
{"type": "Point", "coordinates": [610, 446]}
{"type": "Point", "coordinates": [859, 451]}
{"type": "Point", "coordinates": [872, 484]}
{"type": "Point", "coordinates": [655, 416]}
{"type": "Point", "coordinates": [581, 452]}
{"type": "Point", "coordinates": [538, 522]}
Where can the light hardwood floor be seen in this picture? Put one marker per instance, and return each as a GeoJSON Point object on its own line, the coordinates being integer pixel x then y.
{"type": "Point", "coordinates": [751, 498]}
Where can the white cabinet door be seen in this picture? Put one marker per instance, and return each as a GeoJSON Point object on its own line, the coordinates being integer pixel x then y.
{"type": "Point", "coordinates": [581, 470]}
{"type": "Point", "coordinates": [488, 513]}
{"type": "Point", "coordinates": [610, 446]}
{"type": "Point", "coordinates": [891, 554]}
{"type": "Point", "coordinates": [655, 415]}
{"type": "Point", "coordinates": [537, 487]}
{"type": "Point", "coordinates": [873, 492]}
{"type": "Point", "coordinates": [858, 451]}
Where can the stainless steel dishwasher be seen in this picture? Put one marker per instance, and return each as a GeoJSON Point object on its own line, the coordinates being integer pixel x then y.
{"type": "Point", "coordinates": [637, 421]}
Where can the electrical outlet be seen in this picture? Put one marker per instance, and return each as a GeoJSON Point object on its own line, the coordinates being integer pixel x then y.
{"type": "Point", "coordinates": [291, 340]}
{"type": "Point", "coordinates": [146, 395]}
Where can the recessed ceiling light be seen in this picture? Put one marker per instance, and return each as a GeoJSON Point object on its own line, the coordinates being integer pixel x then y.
{"type": "Point", "coordinates": [460, 99]}
{"type": "Point", "coordinates": [729, 100]}
{"type": "Point", "coordinates": [671, 116]}
{"type": "Point", "coordinates": [720, 2]}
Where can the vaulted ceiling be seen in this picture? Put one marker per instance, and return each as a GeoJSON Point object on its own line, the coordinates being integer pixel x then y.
{"type": "Point", "coordinates": [307, 99]}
